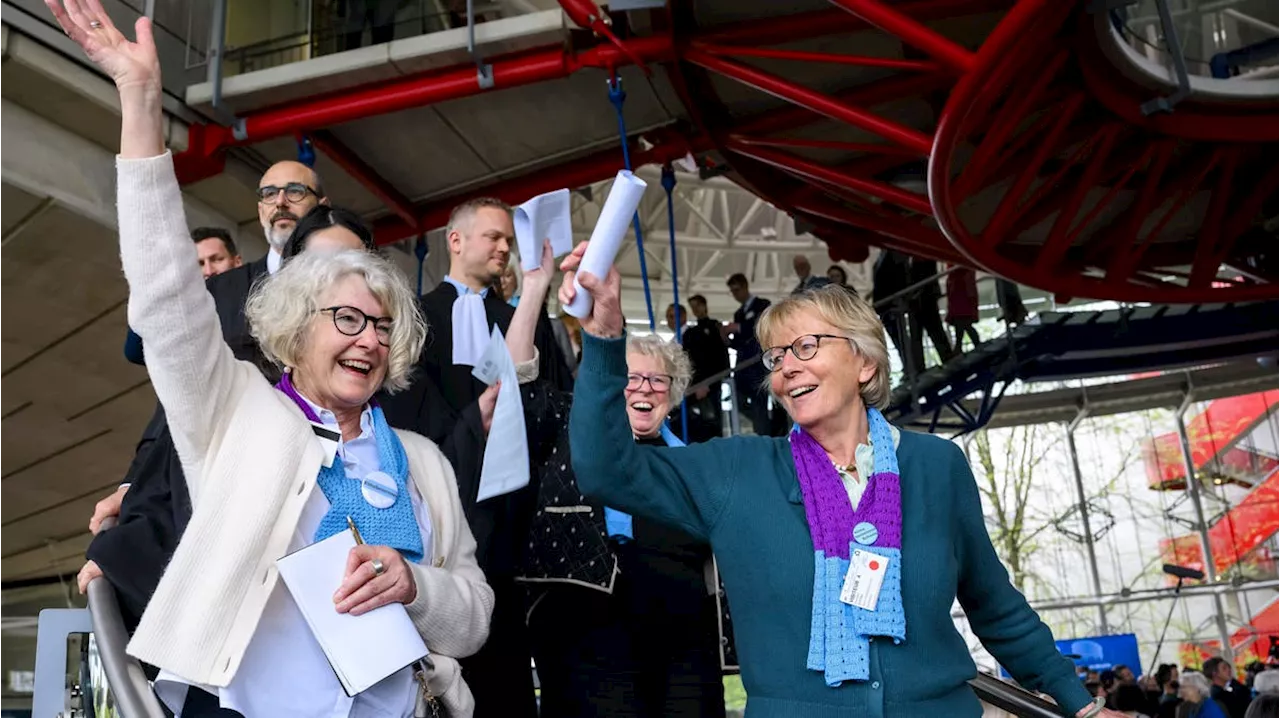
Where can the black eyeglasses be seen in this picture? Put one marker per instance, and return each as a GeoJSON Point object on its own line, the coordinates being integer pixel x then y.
{"type": "Point", "coordinates": [352, 321]}
{"type": "Point", "coordinates": [294, 192]}
{"type": "Point", "coordinates": [658, 383]}
{"type": "Point", "coordinates": [804, 347]}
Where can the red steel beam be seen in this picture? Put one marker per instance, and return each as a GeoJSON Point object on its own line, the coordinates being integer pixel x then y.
{"type": "Point", "coordinates": [360, 171]}
{"type": "Point", "coordinates": [888, 63]}
{"type": "Point", "coordinates": [515, 71]}
{"type": "Point", "coordinates": [818, 102]}
{"type": "Point", "coordinates": [814, 171]}
{"type": "Point", "coordinates": [911, 31]}
{"type": "Point", "coordinates": [868, 95]}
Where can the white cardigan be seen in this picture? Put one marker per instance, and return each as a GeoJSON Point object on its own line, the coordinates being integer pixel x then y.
{"type": "Point", "coordinates": [251, 461]}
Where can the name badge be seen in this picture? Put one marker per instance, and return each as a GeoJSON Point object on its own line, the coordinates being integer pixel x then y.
{"type": "Point", "coordinates": [863, 581]}
{"type": "Point", "coordinates": [328, 441]}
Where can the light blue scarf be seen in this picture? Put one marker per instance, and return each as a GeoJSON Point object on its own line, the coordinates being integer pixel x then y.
{"type": "Point", "coordinates": [618, 523]}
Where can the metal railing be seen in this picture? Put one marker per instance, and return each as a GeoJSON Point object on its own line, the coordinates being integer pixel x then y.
{"type": "Point", "coordinates": [128, 683]}
{"type": "Point", "coordinates": [1014, 699]}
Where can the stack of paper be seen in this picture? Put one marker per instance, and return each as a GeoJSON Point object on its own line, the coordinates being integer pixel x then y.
{"type": "Point", "coordinates": [363, 650]}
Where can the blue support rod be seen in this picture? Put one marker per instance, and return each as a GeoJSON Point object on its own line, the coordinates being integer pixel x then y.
{"type": "Point", "coordinates": [618, 96]}
{"type": "Point", "coordinates": [669, 184]}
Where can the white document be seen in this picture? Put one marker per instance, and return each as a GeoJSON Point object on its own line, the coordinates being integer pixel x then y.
{"type": "Point", "coordinates": [363, 650]}
{"type": "Point", "coordinates": [506, 453]}
{"type": "Point", "coordinates": [470, 329]}
{"type": "Point", "coordinates": [541, 218]}
{"type": "Point", "coordinates": [606, 238]}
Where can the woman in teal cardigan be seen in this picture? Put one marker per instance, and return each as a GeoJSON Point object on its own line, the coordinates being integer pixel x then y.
{"type": "Point", "coordinates": [841, 556]}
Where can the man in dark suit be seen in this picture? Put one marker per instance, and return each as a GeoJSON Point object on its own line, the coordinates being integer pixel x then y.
{"type": "Point", "coordinates": [706, 349]}
{"type": "Point", "coordinates": [1226, 689]}
{"type": "Point", "coordinates": [892, 274]}
{"type": "Point", "coordinates": [753, 400]}
{"type": "Point", "coordinates": [480, 235]}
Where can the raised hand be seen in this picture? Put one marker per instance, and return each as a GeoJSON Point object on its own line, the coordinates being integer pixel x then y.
{"type": "Point", "coordinates": [538, 280]}
{"type": "Point", "coordinates": [132, 65]}
{"type": "Point", "coordinates": [606, 319]}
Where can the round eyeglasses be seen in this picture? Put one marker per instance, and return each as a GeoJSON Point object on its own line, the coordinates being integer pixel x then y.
{"type": "Point", "coordinates": [352, 321]}
{"type": "Point", "coordinates": [804, 347]}
{"type": "Point", "coordinates": [658, 383]}
{"type": "Point", "coordinates": [294, 192]}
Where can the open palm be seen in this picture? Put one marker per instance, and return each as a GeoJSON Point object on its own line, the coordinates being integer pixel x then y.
{"type": "Point", "coordinates": [130, 64]}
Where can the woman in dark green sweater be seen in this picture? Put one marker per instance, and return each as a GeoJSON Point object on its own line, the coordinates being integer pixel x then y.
{"type": "Point", "coordinates": [841, 556]}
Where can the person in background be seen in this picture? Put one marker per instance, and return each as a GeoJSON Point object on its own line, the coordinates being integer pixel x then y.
{"type": "Point", "coordinates": [1009, 298]}
{"type": "Point", "coordinates": [962, 305]}
{"type": "Point", "coordinates": [845, 486]}
{"type": "Point", "coordinates": [216, 253]}
{"type": "Point", "coordinates": [1226, 689]}
{"type": "Point", "coordinates": [837, 276]}
{"type": "Point", "coordinates": [215, 250]}
{"type": "Point", "coordinates": [923, 314]}
{"type": "Point", "coordinates": [891, 275]}
{"type": "Point", "coordinates": [572, 330]}
{"type": "Point", "coordinates": [226, 634]}
{"type": "Point", "coordinates": [1197, 700]}
{"type": "Point", "coordinates": [1266, 705]}
{"type": "Point", "coordinates": [1129, 699]}
{"type": "Point", "coordinates": [705, 346]}
{"type": "Point", "coordinates": [740, 334]}
{"type": "Point", "coordinates": [804, 271]}
{"type": "Point", "coordinates": [621, 617]}
{"type": "Point", "coordinates": [379, 15]}
{"type": "Point", "coordinates": [463, 310]}
{"type": "Point", "coordinates": [510, 284]}
{"type": "Point", "coordinates": [1267, 681]}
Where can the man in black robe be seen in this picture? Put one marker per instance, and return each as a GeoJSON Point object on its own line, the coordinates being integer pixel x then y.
{"type": "Point", "coordinates": [480, 235]}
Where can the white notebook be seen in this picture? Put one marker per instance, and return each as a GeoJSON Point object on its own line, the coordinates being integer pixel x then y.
{"type": "Point", "coordinates": [365, 649]}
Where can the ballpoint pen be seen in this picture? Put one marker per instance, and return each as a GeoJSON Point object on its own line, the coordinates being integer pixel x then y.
{"type": "Point", "coordinates": [430, 706]}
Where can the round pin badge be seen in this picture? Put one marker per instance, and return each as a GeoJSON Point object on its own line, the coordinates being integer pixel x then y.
{"type": "Point", "coordinates": [379, 490]}
{"type": "Point", "coordinates": [865, 533]}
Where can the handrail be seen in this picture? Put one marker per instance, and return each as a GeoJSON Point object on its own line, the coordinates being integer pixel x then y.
{"type": "Point", "coordinates": [1014, 699]}
{"type": "Point", "coordinates": [128, 683]}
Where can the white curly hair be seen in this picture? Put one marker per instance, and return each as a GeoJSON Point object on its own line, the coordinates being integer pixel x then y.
{"type": "Point", "coordinates": [281, 307]}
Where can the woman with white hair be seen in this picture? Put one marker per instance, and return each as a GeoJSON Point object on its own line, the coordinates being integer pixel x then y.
{"type": "Point", "coordinates": [843, 546]}
{"type": "Point", "coordinates": [272, 469]}
{"type": "Point", "coordinates": [621, 620]}
{"type": "Point", "coordinates": [1196, 693]}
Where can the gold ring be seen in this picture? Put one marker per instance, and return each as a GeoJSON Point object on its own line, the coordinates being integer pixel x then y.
{"type": "Point", "coordinates": [96, 25]}
{"type": "Point", "coordinates": [378, 568]}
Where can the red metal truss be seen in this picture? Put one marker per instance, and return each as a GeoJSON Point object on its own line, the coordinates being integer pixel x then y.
{"type": "Point", "coordinates": [1040, 169]}
{"type": "Point", "coordinates": [1071, 147]}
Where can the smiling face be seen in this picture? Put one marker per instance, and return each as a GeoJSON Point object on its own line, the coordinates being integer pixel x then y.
{"type": "Point", "coordinates": [481, 247]}
{"type": "Point", "coordinates": [337, 371]}
{"type": "Point", "coordinates": [827, 386]}
{"type": "Point", "coordinates": [646, 408]}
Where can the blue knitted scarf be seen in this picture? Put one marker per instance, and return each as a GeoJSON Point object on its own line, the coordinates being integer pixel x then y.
{"type": "Point", "coordinates": [839, 635]}
{"type": "Point", "coordinates": [395, 526]}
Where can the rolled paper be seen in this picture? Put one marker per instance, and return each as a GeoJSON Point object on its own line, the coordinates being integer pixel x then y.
{"type": "Point", "coordinates": [606, 238]}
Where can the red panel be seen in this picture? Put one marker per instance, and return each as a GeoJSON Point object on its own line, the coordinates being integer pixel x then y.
{"type": "Point", "coordinates": [1210, 433]}
{"type": "Point", "coordinates": [1241, 530]}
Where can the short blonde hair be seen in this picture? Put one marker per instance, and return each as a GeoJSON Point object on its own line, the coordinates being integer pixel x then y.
{"type": "Point", "coordinates": [465, 212]}
{"type": "Point", "coordinates": [849, 314]}
{"type": "Point", "coordinates": [674, 360]}
{"type": "Point", "coordinates": [281, 307]}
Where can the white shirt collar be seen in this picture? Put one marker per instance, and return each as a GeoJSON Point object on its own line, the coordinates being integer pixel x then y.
{"type": "Point", "coordinates": [274, 260]}
{"type": "Point", "coordinates": [464, 290]}
{"type": "Point", "coordinates": [329, 419]}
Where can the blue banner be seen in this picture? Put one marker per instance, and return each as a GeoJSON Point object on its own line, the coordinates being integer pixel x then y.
{"type": "Point", "coordinates": [1101, 653]}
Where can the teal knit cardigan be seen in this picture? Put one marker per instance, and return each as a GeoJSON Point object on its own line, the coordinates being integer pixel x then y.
{"type": "Point", "coordinates": [742, 496]}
